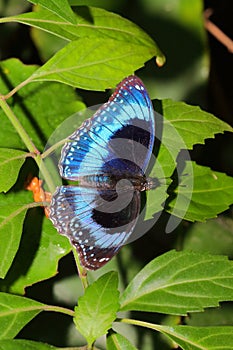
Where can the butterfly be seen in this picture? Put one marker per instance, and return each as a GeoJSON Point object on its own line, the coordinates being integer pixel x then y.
{"type": "Point", "coordinates": [108, 155]}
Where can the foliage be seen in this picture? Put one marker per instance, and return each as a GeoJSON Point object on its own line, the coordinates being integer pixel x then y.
{"type": "Point", "coordinates": [98, 48]}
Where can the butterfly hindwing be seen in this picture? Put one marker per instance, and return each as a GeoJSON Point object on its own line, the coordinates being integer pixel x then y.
{"type": "Point", "coordinates": [95, 227]}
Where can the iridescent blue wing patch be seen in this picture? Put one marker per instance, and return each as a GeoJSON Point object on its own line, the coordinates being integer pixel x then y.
{"type": "Point", "coordinates": [111, 148]}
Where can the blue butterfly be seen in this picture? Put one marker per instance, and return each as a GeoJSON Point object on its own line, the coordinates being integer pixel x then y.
{"type": "Point", "coordinates": [108, 156]}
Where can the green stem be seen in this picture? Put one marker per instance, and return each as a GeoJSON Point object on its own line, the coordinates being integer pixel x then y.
{"type": "Point", "coordinates": [45, 173]}
{"type": "Point", "coordinates": [53, 148]}
{"type": "Point", "coordinates": [155, 327]}
{"type": "Point", "coordinates": [81, 270]}
{"type": "Point", "coordinates": [18, 126]}
{"type": "Point", "coordinates": [28, 143]}
{"type": "Point", "coordinates": [60, 309]}
{"type": "Point", "coordinates": [17, 88]}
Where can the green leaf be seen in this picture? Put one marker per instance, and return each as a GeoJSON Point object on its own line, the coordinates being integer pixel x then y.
{"type": "Point", "coordinates": [15, 313]}
{"type": "Point", "coordinates": [211, 194]}
{"type": "Point", "coordinates": [200, 338]}
{"type": "Point", "coordinates": [193, 124]}
{"type": "Point", "coordinates": [41, 248]}
{"type": "Point", "coordinates": [58, 7]}
{"type": "Point", "coordinates": [214, 236]}
{"type": "Point", "coordinates": [11, 161]}
{"type": "Point", "coordinates": [183, 126]}
{"type": "Point", "coordinates": [180, 282]}
{"type": "Point", "coordinates": [93, 23]}
{"type": "Point", "coordinates": [97, 309]}
{"type": "Point", "coordinates": [13, 209]}
{"type": "Point", "coordinates": [22, 344]}
{"type": "Point", "coordinates": [40, 107]}
{"type": "Point", "coordinates": [106, 63]}
{"type": "Point", "coordinates": [116, 341]}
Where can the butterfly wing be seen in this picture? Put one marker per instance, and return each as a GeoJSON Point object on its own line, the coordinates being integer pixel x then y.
{"type": "Point", "coordinates": [123, 128]}
{"type": "Point", "coordinates": [80, 214]}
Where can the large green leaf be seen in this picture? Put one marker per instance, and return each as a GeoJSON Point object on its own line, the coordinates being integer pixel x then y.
{"type": "Point", "coordinates": [11, 161]}
{"type": "Point", "coordinates": [93, 23]}
{"type": "Point", "coordinates": [192, 123]}
{"type": "Point", "coordinates": [179, 128]}
{"type": "Point", "coordinates": [211, 194]}
{"type": "Point", "coordinates": [183, 126]}
{"type": "Point", "coordinates": [97, 309]}
{"type": "Point", "coordinates": [13, 208]}
{"type": "Point", "coordinates": [40, 107]}
{"type": "Point", "coordinates": [94, 63]}
{"type": "Point", "coordinates": [58, 7]}
{"type": "Point", "coordinates": [15, 313]}
{"type": "Point", "coordinates": [200, 338]}
{"type": "Point", "coordinates": [40, 250]}
{"type": "Point", "coordinates": [180, 282]}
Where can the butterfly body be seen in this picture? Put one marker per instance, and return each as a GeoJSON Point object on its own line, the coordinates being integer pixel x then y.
{"type": "Point", "coordinates": [108, 156]}
{"type": "Point", "coordinates": [109, 182]}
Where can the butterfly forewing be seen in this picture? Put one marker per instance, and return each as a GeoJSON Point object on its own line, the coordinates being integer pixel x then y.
{"type": "Point", "coordinates": [122, 127]}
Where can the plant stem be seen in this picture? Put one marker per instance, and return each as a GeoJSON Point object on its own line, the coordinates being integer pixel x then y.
{"type": "Point", "coordinates": [81, 270]}
{"type": "Point", "coordinates": [18, 126]}
{"type": "Point", "coordinates": [44, 171]}
{"type": "Point", "coordinates": [28, 142]}
{"type": "Point", "coordinates": [60, 309]}
{"type": "Point", "coordinates": [17, 88]}
{"type": "Point", "coordinates": [53, 148]}
{"type": "Point", "coordinates": [155, 327]}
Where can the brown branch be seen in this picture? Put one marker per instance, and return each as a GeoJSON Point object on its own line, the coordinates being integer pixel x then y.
{"type": "Point", "coordinates": [216, 32]}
